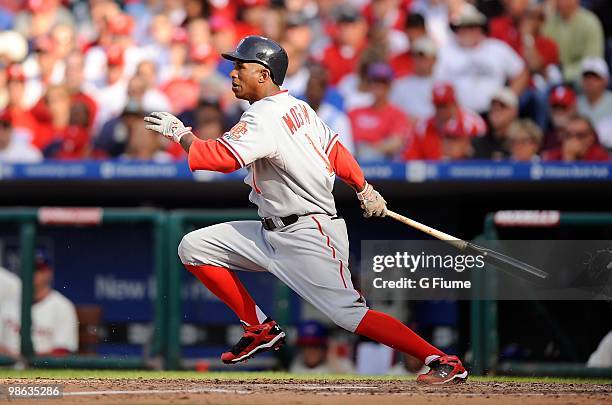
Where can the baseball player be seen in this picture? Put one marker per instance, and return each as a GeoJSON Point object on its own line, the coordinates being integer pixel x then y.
{"type": "Point", "coordinates": [292, 159]}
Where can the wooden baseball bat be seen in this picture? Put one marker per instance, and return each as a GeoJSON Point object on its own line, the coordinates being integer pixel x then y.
{"type": "Point", "coordinates": [497, 259]}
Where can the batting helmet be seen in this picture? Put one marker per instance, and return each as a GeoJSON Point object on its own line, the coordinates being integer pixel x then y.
{"type": "Point", "coordinates": [263, 51]}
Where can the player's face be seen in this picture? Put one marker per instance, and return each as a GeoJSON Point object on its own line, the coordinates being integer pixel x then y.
{"type": "Point", "coordinates": [247, 79]}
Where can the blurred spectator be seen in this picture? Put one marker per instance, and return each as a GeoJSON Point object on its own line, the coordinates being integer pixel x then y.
{"type": "Point", "coordinates": [21, 117]}
{"type": "Point", "coordinates": [521, 28]}
{"type": "Point", "coordinates": [578, 34]}
{"type": "Point", "coordinates": [413, 93]}
{"type": "Point", "coordinates": [602, 357]}
{"type": "Point", "coordinates": [207, 120]}
{"type": "Point", "coordinates": [503, 112]}
{"type": "Point", "coordinates": [379, 131]}
{"type": "Point", "coordinates": [524, 140]}
{"type": "Point", "coordinates": [578, 143]}
{"type": "Point", "coordinates": [114, 133]}
{"type": "Point", "coordinates": [153, 99]}
{"type": "Point", "coordinates": [479, 65]}
{"type": "Point", "coordinates": [40, 16]}
{"type": "Point", "coordinates": [596, 102]}
{"type": "Point", "coordinates": [342, 57]}
{"type": "Point", "coordinates": [12, 148]}
{"type": "Point", "coordinates": [298, 31]}
{"type": "Point", "coordinates": [448, 133]}
{"type": "Point", "coordinates": [74, 141]}
{"type": "Point", "coordinates": [251, 17]}
{"type": "Point", "coordinates": [143, 145]}
{"type": "Point", "coordinates": [54, 320]}
{"type": "Point", "coordinates": [315, 354]}
{"type": "Point", "coordinates": [354, 86]}
{"type": "Point", "coordinates": [338, 121]}
{"type": "Point", "coordinates": [111, 96]}
{"type": "Point", "coordinates": [176, 68]}
{"type": "Point", "coordinates": [297, 72]}
{"type": "Point", "coordinates": [562, 105]}
{"type": "Point", "coordinates": [402, 64]}
{"type": "Point", "coordinates": [79, 91]}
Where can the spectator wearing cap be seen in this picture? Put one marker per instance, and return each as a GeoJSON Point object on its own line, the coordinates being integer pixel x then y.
{"type": "Point", "coordinates": [315, 353]}
{"type": "Point", "coordinates": [447, 134]}
{"type": "Point", "coordinates": [298, 31]}
{"type": "Point", "coordinates": [223, 37]}
{"type": "Point", "coordinates": [562, 106]}
{"type": "Point", "coordinates": [413, 93]}
{"type": "Point", "coordinates": [113, 135]}
{"type": "Point", "coordinates": [317, 96]}
{"type": "Point", "coordinates": [524, 140]}
{"type": "Point", "coordinates": [579, 142]}
{"type": "Point", "coordinates": [578, 34]}
{"type": "Point", "coordinates": [354, 87]}
{"type": "Point", "coordinates": [403, 64]}
{"type": "Point", "coordinates": [479, 65]}
{"type": "Point", "coordinates": [54, 319]}
{"type": "Point", "coordinates": [342, 56]}
{"type": "Point", "coordinates": [14, 149]}
{"type": "Point", "coordinates": [596, 101]}
{"type": "Point", "coordinates": [503, 112]}
{"type": "Point", "coordinates": [380, 130]}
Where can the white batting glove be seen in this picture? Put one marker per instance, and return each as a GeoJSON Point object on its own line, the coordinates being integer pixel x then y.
{"type": "Point", "coordinates": [167, 125]}
{"type": "Point", "coordinates": [373, 204]}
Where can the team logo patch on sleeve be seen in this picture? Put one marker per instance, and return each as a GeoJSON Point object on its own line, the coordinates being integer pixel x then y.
{"type": "Point", "coordinates": [238, 130]}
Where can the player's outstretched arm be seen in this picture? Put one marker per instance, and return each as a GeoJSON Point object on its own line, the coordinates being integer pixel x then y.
{"type": "Point", "coordinates": [347, 168]}
{"type": "Point", "coordinates": [202, 154]}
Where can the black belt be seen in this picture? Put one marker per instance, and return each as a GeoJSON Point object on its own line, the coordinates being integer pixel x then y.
{"type": "Point", "coordinates": [269, 223]}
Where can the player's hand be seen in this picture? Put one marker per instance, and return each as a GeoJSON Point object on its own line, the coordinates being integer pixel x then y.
{"type": "Point", "coordinates": [372, 203]}
{"type": "Point", "coordinates": [167, 125]}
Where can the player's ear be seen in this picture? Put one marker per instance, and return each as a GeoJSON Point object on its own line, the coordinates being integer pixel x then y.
{"type": "Point", "coordinates": [264, 75]}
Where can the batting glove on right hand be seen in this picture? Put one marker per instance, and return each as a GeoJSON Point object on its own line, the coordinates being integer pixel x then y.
{"type": "Point", "coordinates": [167, 125]}
{"type": "Point", "coordinates": [372, 203]}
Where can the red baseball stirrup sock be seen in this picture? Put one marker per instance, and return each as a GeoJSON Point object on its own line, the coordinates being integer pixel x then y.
{"type": "Point", "coordinates": [389, 331]}
{"type": "Point", "coordinates": [227, 287]}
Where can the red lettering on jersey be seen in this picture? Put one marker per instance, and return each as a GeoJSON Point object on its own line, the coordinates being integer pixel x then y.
{"type": "Point", "coordinates": [305, 113]}
{"type": "Point", "coordinates": [289, 122]}
{"type": "Point", "coordinates": [297, 117]}
{"type": "Point", "coordinates": [238, 130]}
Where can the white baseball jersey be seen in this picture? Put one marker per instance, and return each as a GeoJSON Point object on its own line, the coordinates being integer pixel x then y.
{"type": "Point", "coordinates": [284, 145]}
{"type": "Point", "coordinates": [54, 324]}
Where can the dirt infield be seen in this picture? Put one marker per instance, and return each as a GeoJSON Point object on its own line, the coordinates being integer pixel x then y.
{"type": "Point", "coordinates": [307, 392]}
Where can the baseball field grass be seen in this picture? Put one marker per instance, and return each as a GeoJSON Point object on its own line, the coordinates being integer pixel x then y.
{"type": "Point", "coordinates": [187, 387]}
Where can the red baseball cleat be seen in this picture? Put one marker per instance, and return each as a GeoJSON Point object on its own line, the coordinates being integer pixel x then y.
{"type": "Point", "coordinates": [256, 339]}
{"type": "Point", "coordinates": [444, 370]}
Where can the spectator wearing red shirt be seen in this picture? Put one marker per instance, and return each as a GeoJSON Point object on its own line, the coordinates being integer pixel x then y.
{"type": "Point", "coordinates": [379, 131]}
{"type": "Point", "coordinates": [448, 133]}
{"type": "Point", "coordinates": [21, 116]}
{"type": "Point", "coordinates": [342, 57]}
{"type": "Point", "coordinates": [579, 142]}
{"type": "Point", "coordinates": [403, 64]}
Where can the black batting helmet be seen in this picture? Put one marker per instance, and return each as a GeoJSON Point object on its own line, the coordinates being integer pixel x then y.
{"type": "Point", "coordinates": [263, 51]}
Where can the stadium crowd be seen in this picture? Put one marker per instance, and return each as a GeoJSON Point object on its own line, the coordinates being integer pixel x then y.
{"type": "Point", "coordinates": [397, 79]}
